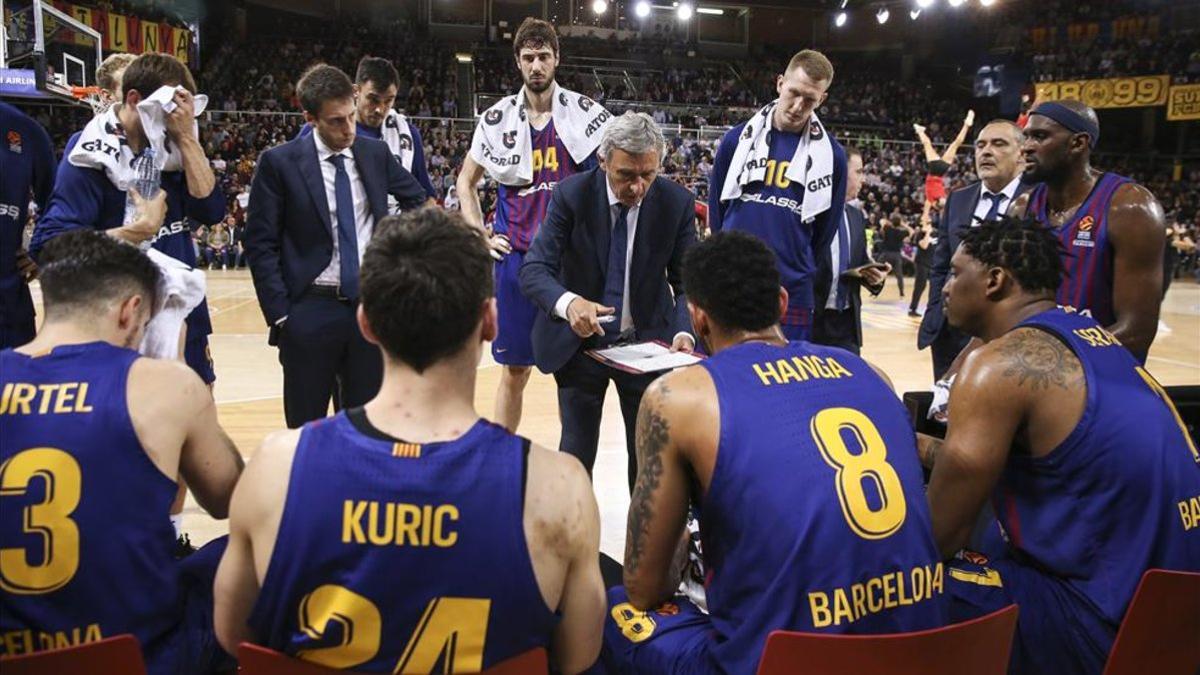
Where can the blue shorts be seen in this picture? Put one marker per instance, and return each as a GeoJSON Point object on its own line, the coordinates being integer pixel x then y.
{"type": "Point", "coordinates": [197, 355]}
{"type": "Point", "coordinates": [1058, 632]}
{"type": "Point", "coordinates": [671, 639]}
{"type": "Point", "coordinates": [514, 338]}
{"type": "Point", "coordinates": [192, 648]}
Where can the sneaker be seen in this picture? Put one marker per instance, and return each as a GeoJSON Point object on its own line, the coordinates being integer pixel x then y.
{"type": "Point", "coordinates": [914, 313]}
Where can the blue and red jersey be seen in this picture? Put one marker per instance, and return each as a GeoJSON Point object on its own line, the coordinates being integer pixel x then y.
{"type": "Point", "coordinates": [1087, 284]}
{"type": "Point", "coordinates": [1120, 495]}
{"type": "Point", "coordinates": [520, 210]}
{"type": "Point", "coordinates": [392, 556]}
{"type": "Point", "coordinates": [88, 548]}
{"type": "Point", "coordinates": [815, 519]}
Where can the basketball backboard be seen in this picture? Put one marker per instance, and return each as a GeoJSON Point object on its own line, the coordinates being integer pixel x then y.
{"type": "Point", "coordinates": [45, 52]}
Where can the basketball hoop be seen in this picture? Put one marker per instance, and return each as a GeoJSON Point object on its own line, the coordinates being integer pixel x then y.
{"type": "Point", "coordinates": [93, 97]}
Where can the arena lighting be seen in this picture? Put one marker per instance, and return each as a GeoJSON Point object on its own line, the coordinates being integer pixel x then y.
{"type": "Point", "coordinates": [840, 19]}
{"type": "Point", "coordinates": [642, 9]}
{"type": "Point", "coordinates": [684, 11]}
{"type": "Point", "coordinates": [710, 10]}
{"type": "Point", "coordinates": [987, 3]}
{"type": "Point", "coordinates": [463, 57]}
{"type": "Point", "coordinates": [914, 13]}
{"type": "Point", "coordinates": [956, 3]}
{"type": "Point", "coordinates": [882, 15]}
{"type": "Point", "coordinates": [925, 4]}
{"type": "Point", "coordinates": [600, 6]}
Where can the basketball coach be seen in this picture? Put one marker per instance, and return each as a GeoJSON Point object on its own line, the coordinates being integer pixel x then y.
{"type": "Point", "coordinates": [313, 205]}
{"type": "Point", "coordinates": [606, 267]}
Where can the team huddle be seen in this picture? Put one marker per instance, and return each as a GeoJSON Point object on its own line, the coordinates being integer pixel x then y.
{"type": "Point", "coordinates": [408, 534]}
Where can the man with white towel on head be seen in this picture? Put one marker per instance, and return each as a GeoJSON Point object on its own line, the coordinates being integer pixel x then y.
{"type": "Point", "coordinates": [527, 143]}
{"type": "Point", "coordinates": [782, 177]}
{"type": "Point", "coordinates": [151, 136]}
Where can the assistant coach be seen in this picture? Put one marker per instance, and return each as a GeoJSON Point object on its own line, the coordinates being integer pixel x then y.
{"type": "Point", "coordinates": [313, 205]}
{"type": "Point", "coordinates": [611, 245]}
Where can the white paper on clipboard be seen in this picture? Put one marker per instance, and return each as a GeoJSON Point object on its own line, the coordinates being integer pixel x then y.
{"type": "Point", "coordinates": [643, 357]}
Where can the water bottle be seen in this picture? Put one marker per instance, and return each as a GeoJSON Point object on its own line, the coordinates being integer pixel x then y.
{"type": "Point", "coordinates": [146, 181]}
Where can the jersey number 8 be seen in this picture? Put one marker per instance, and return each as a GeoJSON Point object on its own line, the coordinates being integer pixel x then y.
{"type": "Point", "coordinates": [830, 427]}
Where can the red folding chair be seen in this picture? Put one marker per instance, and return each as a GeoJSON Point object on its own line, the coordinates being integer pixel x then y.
{"type": "Point", "coordinates": [979, 646]}
{"type": "Point", "coordinates": [1161, 630]}
{"type": "Point", "coordinates": [255, 660]}
{"type": "Point", "coordinates": [120, 655]}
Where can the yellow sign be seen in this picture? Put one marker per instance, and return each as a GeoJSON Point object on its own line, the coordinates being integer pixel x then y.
{"type": "Point", "coordinates": [1118, 92]}
{"type": "Point", "coordinates": [1184, 102]}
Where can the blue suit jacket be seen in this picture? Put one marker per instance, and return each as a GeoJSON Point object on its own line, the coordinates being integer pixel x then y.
{"type": "Point", "coordinates": [959, 215]}
{"type": "Point", "coordinates": [289, 233]}
{"type": "Point", "coordinates": [570, 253]}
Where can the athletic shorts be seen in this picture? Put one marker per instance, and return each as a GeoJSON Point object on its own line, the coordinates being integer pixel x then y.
{"type": "Point", "coordinates": [198, 355]}
{"type": "Point", "coordinates": [1057, 630]}
{"type": "Point", "coordinates": [514, 337]}
{"type": "Point", "coordinates": [192, 649]}
{"type": "Point", "coordinates": [671, 639]}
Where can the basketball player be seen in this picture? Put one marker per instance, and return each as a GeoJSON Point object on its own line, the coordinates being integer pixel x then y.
{"type": "Point", "coordinates": [410, 530]}
{"type": "Point", "coordinates": [28, 159]}
{"type": "Point", "coordinates": [1089, 467]}
{"type": "Point", "coordinates": [1111, 229]}
{"type": "Point", "coordinates": [797, 218]}
{"type": "Point", "coordinates": [759, 435]}
{"type": "Point", "coordinates": [85, 196]}
{"type": "Point", "coordinates": [939, 165]}
{"type": "Point", "coordinates": [93, 438]}
{"type": "Point", "coordinates": [520, 208]}
{"type": "Point", "coordinates": [109, 75]}
{"type": "Point", "coordinates": [376, 83]}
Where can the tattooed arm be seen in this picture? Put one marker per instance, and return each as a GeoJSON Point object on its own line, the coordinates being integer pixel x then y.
{"type": "Point", "coordinates": [1000, 397]}
{"type": "Point", "coordinates": [658, 508]}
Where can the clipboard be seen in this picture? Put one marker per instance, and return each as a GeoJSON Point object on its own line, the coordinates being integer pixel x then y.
{"type": "Point", "coordinates": [641, 358]}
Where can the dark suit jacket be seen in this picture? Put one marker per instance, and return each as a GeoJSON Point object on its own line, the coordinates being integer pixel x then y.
{"type": "Point", "coordinates": [959, 215]}
{"type": "Point", "coordinates": [570, 253]}
{"type": "Point", "coordinates": [289, 232]}
{"type": "Point", "coordinates": [822, 285]}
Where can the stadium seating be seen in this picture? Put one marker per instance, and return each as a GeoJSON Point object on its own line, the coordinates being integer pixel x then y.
{"type": "Point", "coordinates": [255, 660]}
{"type": "Point", "coordinates": [980, 646]}
{"type": "Point", "coordinates": [120, 655]}
{"type": "Point", "coordinates": [1161, 630]}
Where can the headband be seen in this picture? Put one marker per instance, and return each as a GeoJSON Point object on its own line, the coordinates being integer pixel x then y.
{"type": "Point", "coordinates": [1070, 120]}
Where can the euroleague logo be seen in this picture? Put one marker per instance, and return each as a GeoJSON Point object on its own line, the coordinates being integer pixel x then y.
{"type": "Point", "coordinates": [1083, 232]}
{"type": "Point", "coordinates": [585, 103]}
{"type": "Point", "coordinates": [406, 142]}
{"type": "Point", "coordinates": [510, 139]}
{"type": "Point", "coordinates": [492, 117]}
{"type": "Point", "coordinates": [14, 142]}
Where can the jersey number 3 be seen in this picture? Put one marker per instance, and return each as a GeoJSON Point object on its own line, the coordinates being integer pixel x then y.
{"type": "Point", "coordinates": [50, 519]}
{"type": "Point", "coordinates": [855, 472]}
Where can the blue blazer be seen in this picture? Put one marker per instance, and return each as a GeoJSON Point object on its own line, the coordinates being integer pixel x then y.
{"type": "Point", "coordinates": [959, 215]}
{"type": "Point", "coordinates": [570, 253]}
{"type": "Point", "coordinates": [289, 234]}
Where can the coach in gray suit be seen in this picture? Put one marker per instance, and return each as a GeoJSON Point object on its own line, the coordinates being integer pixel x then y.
{"type": "Point", "coordinates": [998, 164]}
{"type": "Point", "coordinates": [606, 265]}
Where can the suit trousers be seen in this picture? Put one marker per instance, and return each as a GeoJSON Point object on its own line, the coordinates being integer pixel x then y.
{"type": "Point", "coordinates": [834, 328]}
{"type": "Point", "coordinates": [582, 385]}
{"type": "Point", "coordinates": [324, 356]}
{"type": "Point", "coordinates": [896, 260]}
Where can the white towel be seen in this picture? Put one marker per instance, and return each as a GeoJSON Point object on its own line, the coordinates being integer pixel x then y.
{"type": "Point", "coordinates": [399, 139]}
{"type": "Point", "coordinates": [180, 289]}
{"type": "Point", "coordinates": [502, 145]}
{"type": "Point", "coordinates": [102, 143]}
{"type": "Point", "coordinates": [811, 165]}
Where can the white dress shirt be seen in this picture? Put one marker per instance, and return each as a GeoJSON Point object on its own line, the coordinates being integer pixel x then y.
{"type": "Point", "coordinates": [364, 222]}
{"type": "Point", "coordinates": [985, 202]}
{"type": "Point", "coordinates": [631, 219]}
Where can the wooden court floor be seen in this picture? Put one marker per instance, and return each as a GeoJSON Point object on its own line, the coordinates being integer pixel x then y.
{"type": "Point", "coordinates": [250, 382]}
